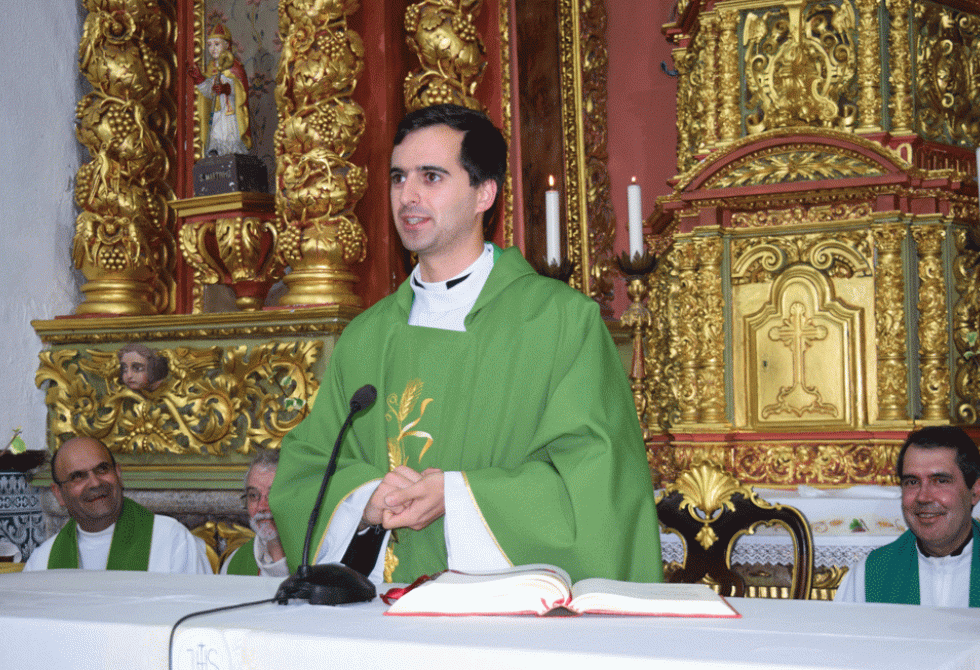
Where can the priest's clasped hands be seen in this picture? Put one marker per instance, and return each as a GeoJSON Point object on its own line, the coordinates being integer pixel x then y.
{"type": "Point", "coordinates": [407, 499]}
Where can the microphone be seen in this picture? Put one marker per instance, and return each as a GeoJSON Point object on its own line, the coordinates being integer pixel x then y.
{"type": "Point", "coordinates": [333, 583]}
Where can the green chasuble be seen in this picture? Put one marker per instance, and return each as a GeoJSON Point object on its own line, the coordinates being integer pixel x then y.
{"type": "Point", "coordinates": [242, 561]}
{"type": "Point", "coordinates": [531, 404]}
{"type": "Point", "coordinates": [891, 572]}
{"type": "Point", "coordinates": [130, 547]}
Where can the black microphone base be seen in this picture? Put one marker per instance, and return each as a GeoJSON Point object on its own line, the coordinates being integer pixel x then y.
{"type": "Point", "coordinates": [330, 584]}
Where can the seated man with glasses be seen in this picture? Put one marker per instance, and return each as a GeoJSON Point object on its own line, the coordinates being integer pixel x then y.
{"type": "Point", "coordinates": [107, 531]}
{"type": "Point", "coordinates": [263, 554]}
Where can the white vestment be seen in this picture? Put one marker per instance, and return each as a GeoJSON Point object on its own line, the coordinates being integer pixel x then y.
{"type": "Point", "coordinates": [944, 581]}
{"type": "Point", "coordinates": [173, 549]}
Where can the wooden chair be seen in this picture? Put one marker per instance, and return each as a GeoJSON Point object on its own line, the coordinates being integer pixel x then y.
{"type": "Point", "coordinates": [221, 540]}
{"type": "Point", "coordinates": [710, 509]}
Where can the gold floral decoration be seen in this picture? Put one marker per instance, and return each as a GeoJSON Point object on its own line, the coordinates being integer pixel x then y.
{"type": "Point", "coordinates": [442, 34]}
{"type": "Point", "coordinates": [123, 244]}
{"type": "Point", "coordinates": [214, 401]}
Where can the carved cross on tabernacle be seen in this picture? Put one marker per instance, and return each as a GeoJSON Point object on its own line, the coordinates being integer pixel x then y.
{"type": "Point", "coordinates": [797, 333]}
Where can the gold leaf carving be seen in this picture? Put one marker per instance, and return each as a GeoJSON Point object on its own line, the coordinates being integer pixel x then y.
{"type": "Point", "coordinates": [319, 128]}
{"type": "Point", "coordinates": [780, 166]}
{"type": "Point", "coordinates": [123, 244]}
{"type": "Point", "coordinates": [443, 36]}
{"type": "Point", "coordinates": [213, 401]}
{"type": "Point", "coordinates": [800, 67]}
{"type": "Point", "coordinates": [947, 80]}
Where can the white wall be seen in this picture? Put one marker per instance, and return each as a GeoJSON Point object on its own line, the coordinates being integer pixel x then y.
{"type": "Point", "coordinates": [39, 156]}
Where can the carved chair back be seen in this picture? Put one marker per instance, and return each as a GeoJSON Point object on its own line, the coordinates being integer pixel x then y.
{"type": "Point", "coordinates": [710, 509]}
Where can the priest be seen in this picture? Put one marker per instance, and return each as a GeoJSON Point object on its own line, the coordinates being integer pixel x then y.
{"type": "Point", "coordinates": [505, 431]}
{"type": "Point", "coordinates": [108, 531]}
{"type": "Point", "coordinates": [936, 562]}
{"type": "Point", "coordinates": [262, 554]}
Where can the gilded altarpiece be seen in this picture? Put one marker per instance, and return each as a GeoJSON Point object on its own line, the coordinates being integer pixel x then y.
{"type": "Point", "coordinates": [817, 293]}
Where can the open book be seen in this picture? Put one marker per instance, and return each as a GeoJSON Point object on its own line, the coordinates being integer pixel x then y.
{"type": "Point", "coordinates": [547, 589]}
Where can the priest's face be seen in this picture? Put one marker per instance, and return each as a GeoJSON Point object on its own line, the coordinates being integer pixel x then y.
{"type": "Point", "coordinates": [90, 485]}
{"type": "Point", "coordinates": [437, 212]}
{"type": "Point", "coordinates": [936, 501]}
{"type": "Point", "coordinates": [257, 503]}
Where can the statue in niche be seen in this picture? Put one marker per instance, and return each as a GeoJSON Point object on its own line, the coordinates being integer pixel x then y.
{"type": "Point", "coordinates": [222, 104]}
{"type": "Point", "coordinates": [223, 97]}
{"type": "Point", "coordinates": [141, 368]}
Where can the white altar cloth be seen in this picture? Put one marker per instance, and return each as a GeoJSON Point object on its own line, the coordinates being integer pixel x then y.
{"type": "Point", "coordinates": [99, 620]}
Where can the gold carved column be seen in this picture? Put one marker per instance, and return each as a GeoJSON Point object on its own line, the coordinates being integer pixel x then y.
{"type": "Point", "coordinates": [123, 242]}
{"type": "Point", "coordinates": [933, 342]}
{"type": "Point", "coordinates": [890, 318]}
{"type": "Point", "coordinates": [729, 86]}
{"type": "Point", "coordinates": [688, 310]}
{"type": "Point", "coordinates": [711, 335]}
{"type": "Point", "coordinates": [900, 61]}
{"type": "Point", "coordinates": [319, 129]}
{"type": "Point", "coordinates": [869, 66]}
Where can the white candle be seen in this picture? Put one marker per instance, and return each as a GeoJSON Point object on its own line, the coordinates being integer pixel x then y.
{"type": "Point", "coordinates": [636, 219]}
{"type": "Point", "coordinates": [551, 222]}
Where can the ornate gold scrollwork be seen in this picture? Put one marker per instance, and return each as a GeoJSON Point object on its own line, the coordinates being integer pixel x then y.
{"type": "Point", "coordinates": [966, 323]}
{"type": "Point", "coordinates": [319, 128]}
{"type": "Point", "coordinates": [123, 243]}
{"type": "Point", "coordinates": [213, 401]}
{"type": "Point", "coordinates": [237, 251]}
{"type": "Point", "coordinates": [821, 464]}
{"type": "Point", "coordinates": [800, 66]}
{"type": "Point", "coordinates": [947, 105]}
{"type": "Point", "coordinates": [442, 35]}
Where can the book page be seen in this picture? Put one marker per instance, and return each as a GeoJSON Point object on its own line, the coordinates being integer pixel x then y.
{"type": "Point", "coordinates": [615, 597]}
{"type": "Point", "coordinates": [526, 589]}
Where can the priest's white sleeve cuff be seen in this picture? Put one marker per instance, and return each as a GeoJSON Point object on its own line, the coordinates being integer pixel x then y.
{"type": "Point", "coordinates": [344, 524]}
{"type": "Point", "coordinates": [469, 544]}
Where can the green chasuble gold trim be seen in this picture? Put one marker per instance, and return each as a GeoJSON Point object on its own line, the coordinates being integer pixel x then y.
{"type": "Point", "coordinates": [892, 572]}
{"type": "Point", "coordinates": [531, 403]}
{"type": "Point", "coordinates": [131, 540]}
{"type": "Point", "coordinates": [242, 561]}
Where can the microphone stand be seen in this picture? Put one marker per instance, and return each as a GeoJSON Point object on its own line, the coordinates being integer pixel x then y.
{"type": "Point", "coordinates": [331, 583]}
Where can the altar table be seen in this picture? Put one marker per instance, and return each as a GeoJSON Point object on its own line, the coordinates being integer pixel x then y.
{"type": "Point", "coordinates": [99, 620]}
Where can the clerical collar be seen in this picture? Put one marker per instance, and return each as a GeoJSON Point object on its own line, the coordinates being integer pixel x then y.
{"type": "Point", "coordinates": [445, 304]}
{"type": "Point", "coordinates": [449, 284]}
{"type": "Point", "coordinates": [957, 552]}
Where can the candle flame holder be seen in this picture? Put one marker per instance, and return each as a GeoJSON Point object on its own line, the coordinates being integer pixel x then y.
{"type": "Point", "coordinates": [561, 271]}
{"type": "Point", "coordinates": [637, 265]}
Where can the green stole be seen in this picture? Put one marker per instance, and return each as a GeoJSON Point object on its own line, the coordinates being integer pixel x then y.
{"type": "Point", "coordinates": [131, 539]}
{"type": "Point", "coordinates": [242, 561]}
{"type": "Point", "coordinates": [892, 571]}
